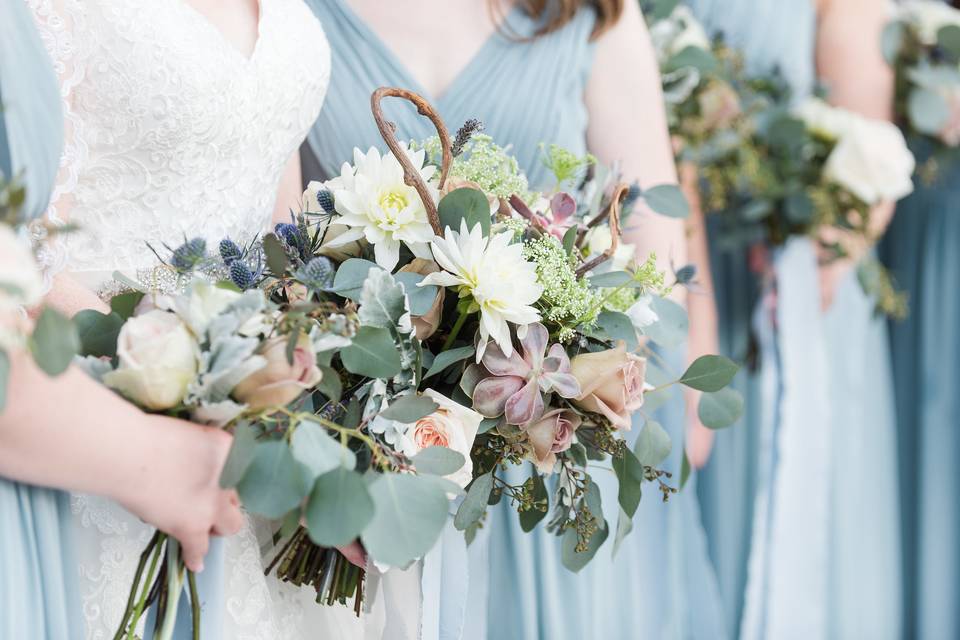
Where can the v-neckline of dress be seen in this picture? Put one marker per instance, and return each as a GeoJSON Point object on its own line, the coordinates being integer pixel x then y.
{"type": "Point", "coordinates": [406, 75]}
{"type": "Point", "coordinates": [247, 58]}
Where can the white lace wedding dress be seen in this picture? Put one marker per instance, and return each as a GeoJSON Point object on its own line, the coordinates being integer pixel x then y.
{"type": "Point", "coordinates": [174, 133]}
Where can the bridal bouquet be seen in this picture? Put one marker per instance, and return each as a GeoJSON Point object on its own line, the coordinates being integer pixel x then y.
{"type": "Point", "coordinates": [424, 323]}
{"type": "Point", "coordinates": [922, 43]}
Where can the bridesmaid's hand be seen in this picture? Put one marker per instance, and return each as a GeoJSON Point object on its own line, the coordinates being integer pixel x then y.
{"type": "Point", "coordinates": [179, 491]}
{"type": "Point", "coordinates": [355, 553]}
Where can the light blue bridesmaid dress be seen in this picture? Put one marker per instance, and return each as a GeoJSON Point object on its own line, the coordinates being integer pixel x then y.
{"type": "Point", "coordinates": [660, 585]}
{"type": "Point", "coordinates": [921, 249]}
{"type": "Point", "coordinates": [38, 598]}
{"type": "Point", "coordinates": [807, 543]}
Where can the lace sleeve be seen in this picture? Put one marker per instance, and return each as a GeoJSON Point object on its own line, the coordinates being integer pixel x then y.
{"type": "Point", "coordinates": [61, 24]}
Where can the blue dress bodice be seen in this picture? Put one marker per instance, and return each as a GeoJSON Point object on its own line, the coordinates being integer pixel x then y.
{"type": "Point", "coordinates": [525, 93]}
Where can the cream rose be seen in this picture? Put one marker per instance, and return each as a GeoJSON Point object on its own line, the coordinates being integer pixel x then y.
{"type": "Point", "coordinates": [611, 383]}
{"type": "Point", "coordinates": [426, 325]}
{"type": "Point", "coordinates": [550, 435]}
{"type": "Point", "coordinates": [279, 382]}
{"type": "Point", "coordinates": [202, 303]}
{"type": "Point", "coordinates": [453, 426]}
{"type": "Point", "coordinates": [157, 361]}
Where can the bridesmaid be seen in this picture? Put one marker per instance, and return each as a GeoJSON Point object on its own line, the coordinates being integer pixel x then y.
{"type": "Point", "coordinates": [921, 251]}
{"type": "Point", "coordinates": [89, 439]}
{"type": "Point", "coordinates": [572, 73]}
{"type": "Point", "coordinates": [810, 548]}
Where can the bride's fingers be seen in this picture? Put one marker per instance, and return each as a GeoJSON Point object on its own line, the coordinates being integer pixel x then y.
{"type": "Point", "coordinates": [229, 517]}
{"type": "Point", "coordinates": [194, 547]}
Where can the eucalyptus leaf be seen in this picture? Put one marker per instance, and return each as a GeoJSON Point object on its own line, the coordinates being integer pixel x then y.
{"type": "Point", "coordinates": [570, 239]}
{"type": "Point", "coordinates": [421, 298]}
{"type": "Point", "coordinates": [720, 409]}
{"type": "Point", "coordinates": [409, 409]}
{"type": "Point", "coordinates": [339, 508]}
{"type": "Point", "coordinates": [372, 353]}
{"type": "Point", "coordinates": [948, 39]}
{"type": "Point", "coordinates": [611, 279]}
{"type": "Point", "coordinates": [709, 373]}
{"type": "Point", "coordinates": [464, 204]}
{"type": "Point", "coordinates": [382, 301]}
{"type": "Point", "coordinates": [330, 384]}
{"type": "Point", "coordinates": [409, 515]}
{"type": "Point", "coordinates": [618, 326]}
{"type": "Point", "coordinates": [928, 110]}
{"type": "Point", "coordinates": [891, 41]}
{"type": "Point", "coordinates": [240, 456]}
{"type": "Point", "coordinates": [624, 527]}
{"type": "Point", "coordinates": [54, 342]}
{"type": "Point", "coordinates": [667, 200]}
{"type": "Point", "coordinates": [575, 561]}
{"type": "Point", "coordinates": [629, 472]}
{"type": "Point", "coordinates": [653, 445]}
{"type": "Point", "coordinates": [274, 482]}
{"type": "Point", "coordinates": [487, 424]}
{"type": "Point", "coordinates": [277, 259]}
{"type": "Point", "coordinates": [98, 332]}
{"type": "Point", "coordinates": [350, 277]}
{"type": "Point", "coordinates": [124, 304]}
{"type": "Point", "coordinates": [438, 461]}
{"type": "Point", "coordinates": [446, 358]}
{"type": "Point", "coordinates": [684, 471]}
{"type": "Point", "coordinates": [475, 504]}
{"type": "Point", "coordinates": [670, 329]}
{"type": "Point", "coordinates": [318, 451]}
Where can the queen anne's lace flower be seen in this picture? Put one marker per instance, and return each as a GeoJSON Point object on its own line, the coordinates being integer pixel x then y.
{"type": "Point", "coordinates": [492, 272]}
{"type": "Point", "coordinates": [374, 201]}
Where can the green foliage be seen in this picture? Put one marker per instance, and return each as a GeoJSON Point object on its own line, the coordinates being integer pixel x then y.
{"type": "Point", "coordinates": [420, 298]}
{"type": "Point", "coordinates": [409, 409]}
{"type": "Point", "coordinates": [630, 476]}
{"type": "Point", "coordinates": [409, 514]}
{"type": "Point", "coordinates": [54, 342]}
{"type": "Point", "coordinates": [339, 508]}
{"type": "Point", "coordinates": [372, 353]}
{"type": "Point", "coordinates": [473, 507]}
{"type": "Point", "coordinates": [565, 165]}
{"type": "Point", "coordinates": [447, 358]}
{"type": "Point", "coordinates": [98, 332]}
{"type": "Point", "coordinates": [317, 451]}
{"type": "Point", "coordinates": [438, 461]}
{"type": "Point", "coordinates": [720, 409]}
{"type": "Point", "coordinates": [465, 204]}
{"type": "Point", "coordinates": [350, 277]}
{"type": "Point", "coordinates": [710, 373]}
{"type": "Point", "coordinates": [274, 481]}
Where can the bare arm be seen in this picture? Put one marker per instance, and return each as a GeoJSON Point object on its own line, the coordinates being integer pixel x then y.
{"type": "Point", "coordinates": [71, 433]}
{"type": "Point", "coordinates": [850, 62]}
{"type": "Point", "coordinates": [628, 124]}
{"type": "Point", "coordinates": [290, 192]}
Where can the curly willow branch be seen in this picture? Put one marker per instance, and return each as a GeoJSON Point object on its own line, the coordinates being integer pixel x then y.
{"type": "Point", "coordinates": [389, 132]}
{"type": "Point", "coordinates": [613, 212]}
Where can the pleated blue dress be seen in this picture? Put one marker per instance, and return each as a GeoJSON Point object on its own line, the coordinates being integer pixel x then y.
{"type": "Point", "coordinates": [38, 597]}
{"type": "Point", "coordinates": [660, 585]}
{"type": "Point", "coordinates": [800, 504]}
{"type": "Point", "coordinates": [921, 249]}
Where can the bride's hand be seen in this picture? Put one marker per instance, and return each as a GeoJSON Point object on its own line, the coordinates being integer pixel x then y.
{"type": "Point", "coordinates": [355, 553]}
{"type": "Point", "coordinates": [179, 492]}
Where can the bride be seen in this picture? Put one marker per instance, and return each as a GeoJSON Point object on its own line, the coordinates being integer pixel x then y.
{"type": "Point", "coordinates": [183, 119]}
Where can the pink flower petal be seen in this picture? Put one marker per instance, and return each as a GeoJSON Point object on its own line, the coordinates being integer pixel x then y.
{"type": "Point", "coordinates": [490, 396]}
{"type": "Point", "coordinates": [500, 365]}
{"type": "Point", "coordinates": [534, 345]}
{"type": "Point", "coordinates": [526, 405]}
{"type": "Point", "coordinates": [565, 384]}
{"type": "Point", "coordinates": [557, 360]}
{"type": "Point", "coordinates": [562, 206]}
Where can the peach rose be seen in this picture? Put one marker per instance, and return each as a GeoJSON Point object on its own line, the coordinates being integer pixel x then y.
{"type": "Point", "coordinates": [452, 426]}
{"type": "Point", "coordinates": [550, 435]}
{"type": "Point", "coordinates": [279, 382]}
{"type": "Point", "coordinates": [426, 325]}
{"type": "Point", "coordinates": [611, 383]}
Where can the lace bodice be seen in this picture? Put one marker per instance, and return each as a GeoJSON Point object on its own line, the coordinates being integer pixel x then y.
{"type": "Point", "coordinates": [172, 131]}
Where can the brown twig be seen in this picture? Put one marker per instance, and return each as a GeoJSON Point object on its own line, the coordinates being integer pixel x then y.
{"type": "Point", "coordinates": [389, 132]}
{"type": "Point", "coordinates": [613, 212]}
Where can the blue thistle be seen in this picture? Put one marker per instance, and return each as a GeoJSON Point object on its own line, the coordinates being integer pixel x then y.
{"type": "Point", "coordinates": [229, 251]}
{"type": "Point", "coordinates": [317, 274]}
{"type": "Point", "coordinates": [241, 275]}
{"type": "Point", "coordinates": [325, 200]}
{"type": "Point", "coordinates": [686, 274]}
{"type": "Point", "coordinates": [189, 255]}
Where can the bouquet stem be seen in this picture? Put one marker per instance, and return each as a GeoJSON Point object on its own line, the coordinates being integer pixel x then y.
{"type": "Point", "coordinates": [334, 578]}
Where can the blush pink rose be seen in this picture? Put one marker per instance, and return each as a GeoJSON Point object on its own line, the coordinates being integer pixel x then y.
{"type": "Point", "coordinates": [550, 435]}
{"type": "Point", "coordinates": [611, 383]}
{"type": "Point", "coordinates": [279, 382]}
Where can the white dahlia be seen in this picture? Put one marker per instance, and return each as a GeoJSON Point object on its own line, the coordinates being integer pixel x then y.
{"type": "Point", "coordinates": [376, 204]}
{"type": "Point", "coordinates": [493, 272]}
